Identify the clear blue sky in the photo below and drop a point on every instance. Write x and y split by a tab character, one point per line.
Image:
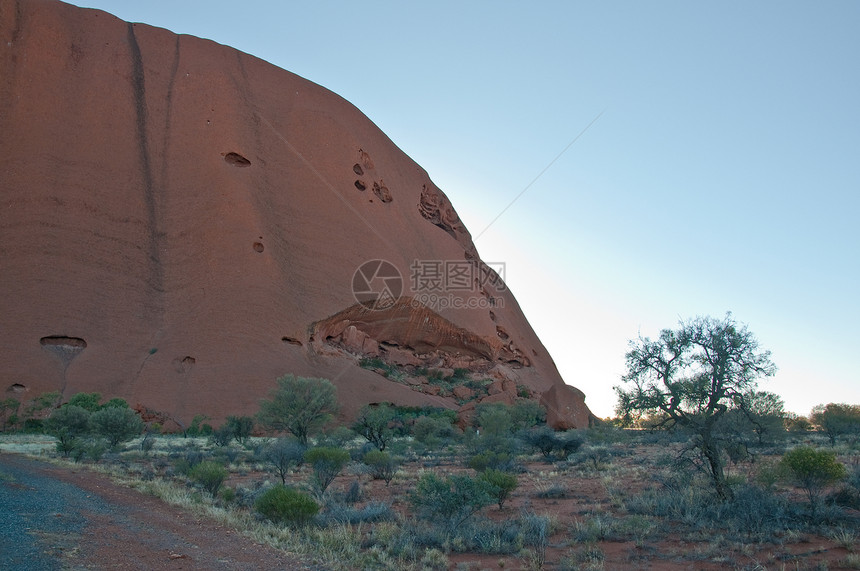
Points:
723	174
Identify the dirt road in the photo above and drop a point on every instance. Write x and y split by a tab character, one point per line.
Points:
56	518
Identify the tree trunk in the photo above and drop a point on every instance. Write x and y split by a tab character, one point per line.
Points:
713	455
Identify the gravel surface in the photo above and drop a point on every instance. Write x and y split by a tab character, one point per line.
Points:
59	518
42	517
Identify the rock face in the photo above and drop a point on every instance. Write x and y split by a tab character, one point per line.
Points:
182	223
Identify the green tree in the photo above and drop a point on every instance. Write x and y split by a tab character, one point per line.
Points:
8	408
240	427
836	420
299	405
327	463
116	424
282	454
691	377
502	484
40	403
88	401
812	471
222	436
116	402
67	424
374	424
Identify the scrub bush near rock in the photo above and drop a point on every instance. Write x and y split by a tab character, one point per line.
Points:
284	505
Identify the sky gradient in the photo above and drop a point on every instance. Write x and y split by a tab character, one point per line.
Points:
720	171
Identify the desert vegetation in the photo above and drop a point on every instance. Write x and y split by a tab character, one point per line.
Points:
699	469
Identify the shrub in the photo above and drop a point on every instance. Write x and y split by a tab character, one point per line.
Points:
8	408
450	501
286	506
552	444
67	424
432	431
240	428
223	435
190	459
282	454
502	484
837	420
491	460
210	475
299	405
116	424
382	465
195	428
87	401
327	464
812	471
374	424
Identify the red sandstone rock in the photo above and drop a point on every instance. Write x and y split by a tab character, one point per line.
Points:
565	408
181	224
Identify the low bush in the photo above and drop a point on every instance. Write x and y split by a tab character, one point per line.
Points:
450	501
240	428
812	471
284	505
552	444
222	436
209	475
282	454
382	465
327	463
489	459
502	484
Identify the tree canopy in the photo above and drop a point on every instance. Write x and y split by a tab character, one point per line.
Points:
299	405
691	377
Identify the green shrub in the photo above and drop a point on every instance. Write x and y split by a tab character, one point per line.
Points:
837	419
552	444
8	408
195	428
209	475
299	405
327	463
116	424
812	471
489	459
282	454
374	424
240	428
450	501
87	401
502	482
284	505
382	465
228	494
223	435
432	431
67	424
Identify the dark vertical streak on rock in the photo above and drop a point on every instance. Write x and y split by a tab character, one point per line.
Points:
139	89
168	116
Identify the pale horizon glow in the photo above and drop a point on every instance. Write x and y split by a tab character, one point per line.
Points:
723	174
